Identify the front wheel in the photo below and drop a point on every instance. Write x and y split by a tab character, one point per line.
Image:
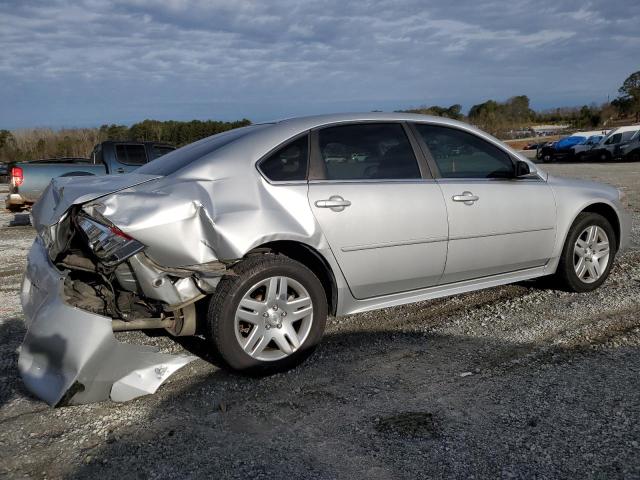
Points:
267	315
588	253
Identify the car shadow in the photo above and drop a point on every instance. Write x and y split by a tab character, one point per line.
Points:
12	332
378	404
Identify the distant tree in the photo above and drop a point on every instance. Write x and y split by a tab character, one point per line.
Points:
518	111
114	132
489	116
7	146
454	111
589	117
629	95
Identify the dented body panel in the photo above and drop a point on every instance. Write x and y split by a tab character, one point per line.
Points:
70	356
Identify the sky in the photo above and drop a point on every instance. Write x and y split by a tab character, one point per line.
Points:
86	63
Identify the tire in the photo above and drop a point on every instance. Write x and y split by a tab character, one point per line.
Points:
244	345
567	274
633	156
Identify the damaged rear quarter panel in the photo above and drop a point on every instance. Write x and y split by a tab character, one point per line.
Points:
188	219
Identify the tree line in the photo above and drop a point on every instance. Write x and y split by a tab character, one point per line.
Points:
37	143
503	118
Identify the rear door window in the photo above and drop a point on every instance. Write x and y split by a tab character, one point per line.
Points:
288	163
367	152
460	154
131	154
182	157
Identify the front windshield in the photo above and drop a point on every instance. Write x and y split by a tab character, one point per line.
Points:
174	161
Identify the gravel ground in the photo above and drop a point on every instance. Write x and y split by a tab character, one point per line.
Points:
511	382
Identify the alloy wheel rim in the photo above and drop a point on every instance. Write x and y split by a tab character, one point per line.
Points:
273	318
591	254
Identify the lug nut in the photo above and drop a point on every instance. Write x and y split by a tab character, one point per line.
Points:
265	314
284	314
279	325
275	307
267	327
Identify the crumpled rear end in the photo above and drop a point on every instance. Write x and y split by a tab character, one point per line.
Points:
70	356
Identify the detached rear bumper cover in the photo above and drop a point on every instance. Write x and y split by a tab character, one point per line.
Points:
70	356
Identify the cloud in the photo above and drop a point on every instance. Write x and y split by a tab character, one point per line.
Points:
66	61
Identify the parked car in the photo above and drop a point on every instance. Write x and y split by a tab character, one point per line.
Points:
545	151
29	179
630	150
581	150
608	148
572	147
255	235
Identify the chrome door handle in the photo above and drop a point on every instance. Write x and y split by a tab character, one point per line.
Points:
334	202
467	197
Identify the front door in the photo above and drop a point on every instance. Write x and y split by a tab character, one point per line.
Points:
386	225
497	223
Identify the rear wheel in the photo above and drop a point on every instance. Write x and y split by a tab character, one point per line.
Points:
267	315
588	253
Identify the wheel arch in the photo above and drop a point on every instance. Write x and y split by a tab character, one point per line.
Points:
309	257
608	212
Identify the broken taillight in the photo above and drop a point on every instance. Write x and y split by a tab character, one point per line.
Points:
17	176
116	231
107	242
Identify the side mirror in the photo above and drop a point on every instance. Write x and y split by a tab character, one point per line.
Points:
524	170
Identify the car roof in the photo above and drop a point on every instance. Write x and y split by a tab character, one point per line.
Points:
629	128
313	121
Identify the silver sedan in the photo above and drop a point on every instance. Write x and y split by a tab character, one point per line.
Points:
254	236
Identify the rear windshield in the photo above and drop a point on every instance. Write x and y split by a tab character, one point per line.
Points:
174	161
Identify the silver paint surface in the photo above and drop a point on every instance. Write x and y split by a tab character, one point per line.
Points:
397	242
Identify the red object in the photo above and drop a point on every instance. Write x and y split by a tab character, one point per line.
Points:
17	177
116	231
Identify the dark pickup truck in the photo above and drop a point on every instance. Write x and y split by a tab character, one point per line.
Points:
27	180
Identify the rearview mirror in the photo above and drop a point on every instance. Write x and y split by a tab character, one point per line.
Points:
524	170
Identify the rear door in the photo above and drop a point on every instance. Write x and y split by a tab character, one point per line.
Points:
382	214
497	223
